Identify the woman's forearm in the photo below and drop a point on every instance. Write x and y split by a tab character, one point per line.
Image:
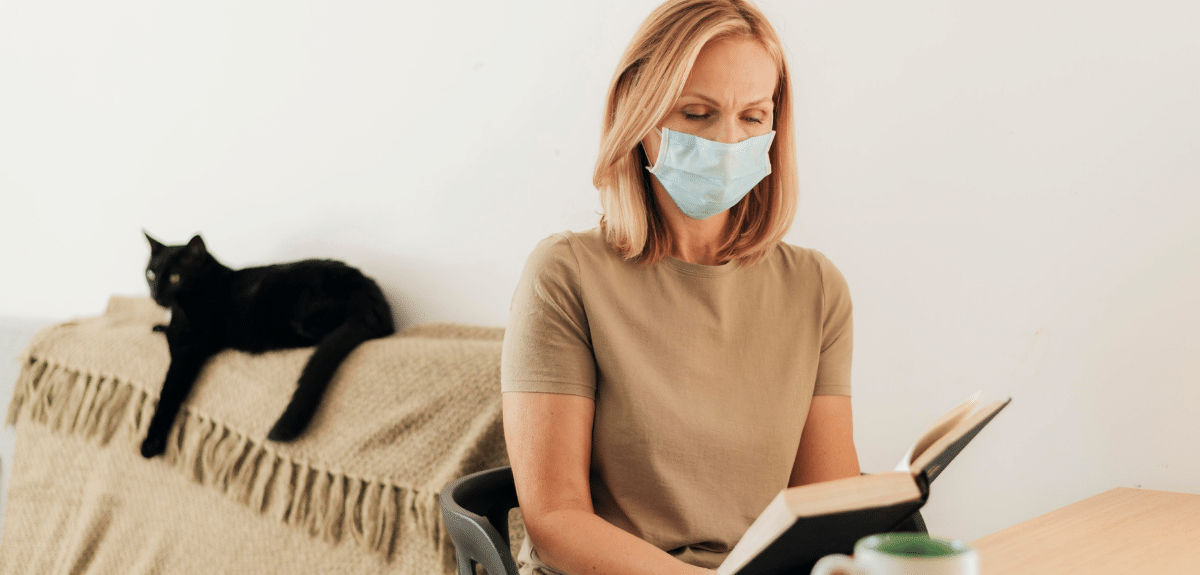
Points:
577	542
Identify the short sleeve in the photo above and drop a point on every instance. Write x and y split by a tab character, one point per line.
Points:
837	332
547	345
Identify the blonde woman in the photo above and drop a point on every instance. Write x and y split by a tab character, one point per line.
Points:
668	372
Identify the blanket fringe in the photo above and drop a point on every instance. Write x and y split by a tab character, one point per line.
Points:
324	503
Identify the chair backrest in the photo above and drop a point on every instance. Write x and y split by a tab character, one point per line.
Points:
476	509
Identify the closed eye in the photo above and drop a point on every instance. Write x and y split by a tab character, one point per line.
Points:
697	117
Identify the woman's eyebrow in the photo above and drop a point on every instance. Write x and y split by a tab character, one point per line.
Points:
713	102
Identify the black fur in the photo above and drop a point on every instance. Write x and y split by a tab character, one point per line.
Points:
311	302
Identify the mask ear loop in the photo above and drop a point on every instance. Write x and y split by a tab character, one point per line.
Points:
662	148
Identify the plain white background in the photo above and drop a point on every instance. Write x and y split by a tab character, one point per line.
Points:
1010	188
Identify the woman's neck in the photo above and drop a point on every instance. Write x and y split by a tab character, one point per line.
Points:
694	241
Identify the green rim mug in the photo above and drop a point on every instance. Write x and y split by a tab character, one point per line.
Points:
903	554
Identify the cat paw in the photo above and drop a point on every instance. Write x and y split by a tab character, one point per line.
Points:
153	446
285	430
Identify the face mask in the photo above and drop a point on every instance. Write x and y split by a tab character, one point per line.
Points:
705	177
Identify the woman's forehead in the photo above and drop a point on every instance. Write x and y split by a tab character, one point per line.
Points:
733	70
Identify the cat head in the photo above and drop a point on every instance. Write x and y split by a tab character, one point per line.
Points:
176	270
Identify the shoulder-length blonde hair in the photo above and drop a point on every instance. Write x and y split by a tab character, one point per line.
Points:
648	81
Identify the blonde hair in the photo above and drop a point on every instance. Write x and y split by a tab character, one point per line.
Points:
648	81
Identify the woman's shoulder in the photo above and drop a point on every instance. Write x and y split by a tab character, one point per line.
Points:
570	246
564	251
803	261
801	258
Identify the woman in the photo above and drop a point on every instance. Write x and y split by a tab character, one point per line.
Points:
666	374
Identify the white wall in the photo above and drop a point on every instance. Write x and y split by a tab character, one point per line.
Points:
1010	188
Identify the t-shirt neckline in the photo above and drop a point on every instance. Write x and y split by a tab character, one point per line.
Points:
701	269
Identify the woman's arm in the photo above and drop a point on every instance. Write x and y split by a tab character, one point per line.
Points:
549	439
827	443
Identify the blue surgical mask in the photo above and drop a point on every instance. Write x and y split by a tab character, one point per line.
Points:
705	177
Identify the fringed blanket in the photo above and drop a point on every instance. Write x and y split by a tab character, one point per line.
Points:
356	493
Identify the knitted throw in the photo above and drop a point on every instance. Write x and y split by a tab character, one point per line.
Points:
356	493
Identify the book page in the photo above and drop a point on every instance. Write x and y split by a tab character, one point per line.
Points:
771	523
971	425
851	493
939	428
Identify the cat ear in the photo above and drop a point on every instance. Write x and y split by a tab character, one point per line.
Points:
155	245
196	246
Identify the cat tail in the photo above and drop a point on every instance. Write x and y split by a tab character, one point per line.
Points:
317	374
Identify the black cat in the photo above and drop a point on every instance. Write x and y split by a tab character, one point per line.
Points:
311	302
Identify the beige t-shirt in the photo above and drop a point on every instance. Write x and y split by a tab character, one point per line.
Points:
702	378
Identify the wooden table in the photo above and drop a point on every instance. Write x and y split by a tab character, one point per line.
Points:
1119	531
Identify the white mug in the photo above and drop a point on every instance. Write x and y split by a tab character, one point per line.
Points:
902	554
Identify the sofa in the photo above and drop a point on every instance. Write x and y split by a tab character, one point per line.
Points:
356	493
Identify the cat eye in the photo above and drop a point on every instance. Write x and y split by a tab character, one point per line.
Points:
150	275
173	278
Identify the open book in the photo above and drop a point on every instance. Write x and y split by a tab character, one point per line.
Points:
803	524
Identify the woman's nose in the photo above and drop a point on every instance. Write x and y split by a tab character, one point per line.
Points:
729	132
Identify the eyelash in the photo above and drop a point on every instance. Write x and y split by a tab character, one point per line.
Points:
705	116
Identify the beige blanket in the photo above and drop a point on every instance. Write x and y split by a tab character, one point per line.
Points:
357	493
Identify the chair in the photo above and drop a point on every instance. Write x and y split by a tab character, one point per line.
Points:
476	509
